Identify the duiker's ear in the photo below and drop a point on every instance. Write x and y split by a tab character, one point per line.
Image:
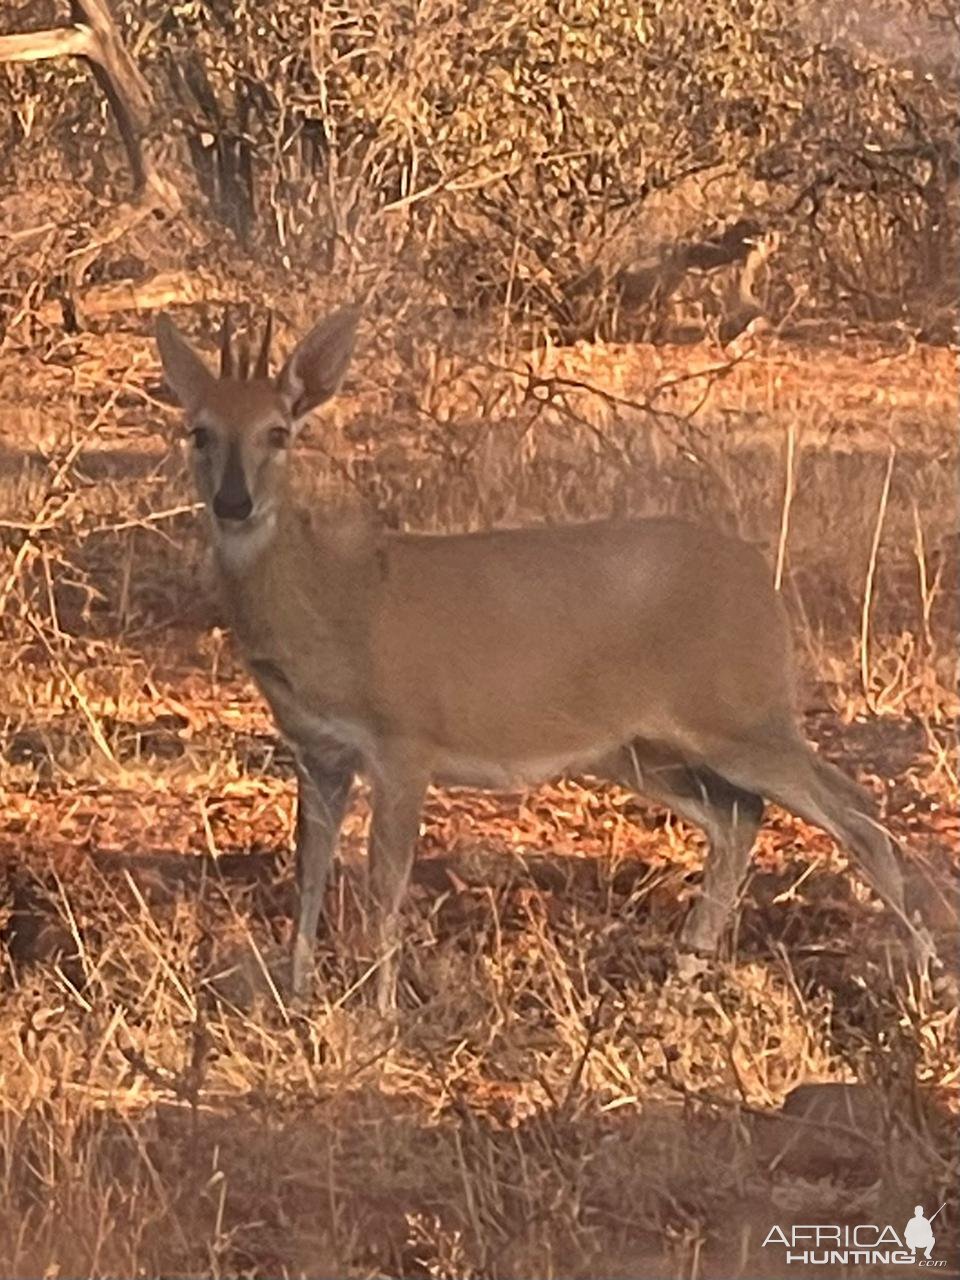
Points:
315	369
186	374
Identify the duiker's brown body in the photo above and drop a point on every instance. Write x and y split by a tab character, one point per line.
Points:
512	656
653	652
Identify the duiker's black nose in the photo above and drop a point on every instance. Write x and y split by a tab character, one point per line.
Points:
232	500
227	507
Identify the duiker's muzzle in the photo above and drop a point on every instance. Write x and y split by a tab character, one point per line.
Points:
232	500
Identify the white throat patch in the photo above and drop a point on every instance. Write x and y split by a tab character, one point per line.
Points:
238	547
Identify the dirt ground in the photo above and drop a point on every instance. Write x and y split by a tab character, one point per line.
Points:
551	1100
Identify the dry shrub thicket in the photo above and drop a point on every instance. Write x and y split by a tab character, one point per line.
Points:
548	211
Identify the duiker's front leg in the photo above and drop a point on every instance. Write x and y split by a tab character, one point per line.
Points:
397	804
323	792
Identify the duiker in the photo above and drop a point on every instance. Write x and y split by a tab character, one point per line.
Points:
652	652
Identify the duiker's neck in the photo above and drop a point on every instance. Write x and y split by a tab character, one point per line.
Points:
291	550
295	573
257	569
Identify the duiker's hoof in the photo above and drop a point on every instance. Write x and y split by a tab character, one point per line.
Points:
387	996
299	999
923	949
246	977
691	965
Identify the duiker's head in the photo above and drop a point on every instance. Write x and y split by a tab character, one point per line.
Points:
241	424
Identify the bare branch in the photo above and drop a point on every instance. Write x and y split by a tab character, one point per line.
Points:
37	46
94	37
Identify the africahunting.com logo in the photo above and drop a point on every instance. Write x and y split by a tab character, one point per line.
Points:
867	1243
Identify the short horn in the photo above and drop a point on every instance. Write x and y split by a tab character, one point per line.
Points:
226	347
243	359
262	367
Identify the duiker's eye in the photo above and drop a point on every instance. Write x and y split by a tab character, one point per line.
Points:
278	437
200	437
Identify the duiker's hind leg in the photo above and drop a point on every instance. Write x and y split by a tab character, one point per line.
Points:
785	769
729	817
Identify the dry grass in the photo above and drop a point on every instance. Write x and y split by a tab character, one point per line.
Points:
550	1101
